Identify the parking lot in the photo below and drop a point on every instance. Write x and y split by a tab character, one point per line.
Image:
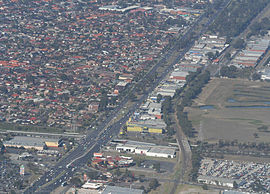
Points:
246	172
10	177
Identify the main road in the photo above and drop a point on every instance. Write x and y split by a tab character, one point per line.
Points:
67	166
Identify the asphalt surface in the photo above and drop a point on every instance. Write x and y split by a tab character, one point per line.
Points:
94	140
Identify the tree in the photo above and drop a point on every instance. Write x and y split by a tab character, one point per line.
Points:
210	55
153	184
256	76
255	135
239	44
228	71
142	188
227	56
128	173
205	187
166	109
76	181
196	162
30	78
117	172
159	98
141	178
12	192
170	131
92	174
157	167
103	102
63	77
4	89
132	97
235	185
257	186
263	128
235	18
138	162
18	184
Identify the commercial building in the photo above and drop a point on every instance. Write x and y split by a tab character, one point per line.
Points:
52	143
31	142
111	162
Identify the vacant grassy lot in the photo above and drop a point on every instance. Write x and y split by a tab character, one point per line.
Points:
192	189
232	109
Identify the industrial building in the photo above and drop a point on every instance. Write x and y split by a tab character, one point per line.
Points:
31	142
265	74
163	152
253	53
179	75
94	186
121	190
218	181
147	149
147	126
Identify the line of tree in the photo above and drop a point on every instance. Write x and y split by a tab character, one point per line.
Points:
166	108
194	83
259	28
234	72
196	162
236	17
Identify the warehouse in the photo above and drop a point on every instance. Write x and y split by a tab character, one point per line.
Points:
142	150
121	190
225	182
163	93
155	109
147	126
94	186
179	75
266	74
164	152
31	142
147	149
126	148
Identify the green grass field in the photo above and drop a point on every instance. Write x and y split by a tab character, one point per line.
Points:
239	107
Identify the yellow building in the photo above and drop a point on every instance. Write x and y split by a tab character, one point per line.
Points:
154	130
52	143
134	128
